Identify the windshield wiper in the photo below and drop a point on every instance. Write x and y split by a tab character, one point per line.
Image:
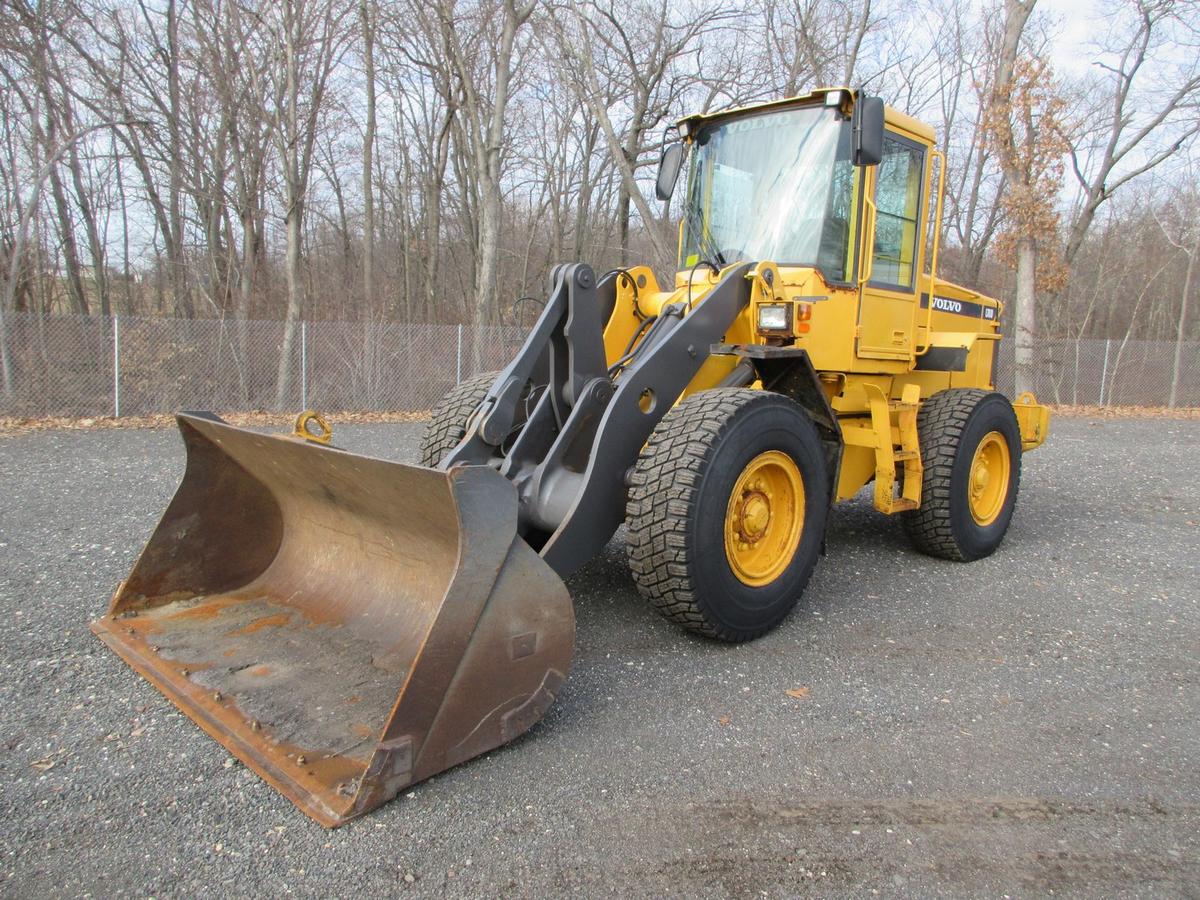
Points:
707	244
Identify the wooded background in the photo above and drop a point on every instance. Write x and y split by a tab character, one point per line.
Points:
429	160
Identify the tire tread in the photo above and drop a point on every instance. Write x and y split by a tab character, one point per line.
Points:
941	422
663	489
448	422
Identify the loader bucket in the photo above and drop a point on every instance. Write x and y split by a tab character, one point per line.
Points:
345	626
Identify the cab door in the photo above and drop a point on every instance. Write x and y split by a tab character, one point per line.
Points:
888	301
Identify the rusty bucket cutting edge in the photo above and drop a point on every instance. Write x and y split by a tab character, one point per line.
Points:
346	626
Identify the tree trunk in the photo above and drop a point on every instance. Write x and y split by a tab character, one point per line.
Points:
1024	313
318	34
623	222
88	215
487	267
1016	14
179	281
126	276
433	219
70	248
489	160
368	257
293	200
295	293
1184	301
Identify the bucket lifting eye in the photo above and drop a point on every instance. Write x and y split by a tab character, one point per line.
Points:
304	427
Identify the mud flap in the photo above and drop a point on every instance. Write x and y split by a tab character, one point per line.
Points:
344	625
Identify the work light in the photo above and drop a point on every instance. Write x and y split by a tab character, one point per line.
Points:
774	317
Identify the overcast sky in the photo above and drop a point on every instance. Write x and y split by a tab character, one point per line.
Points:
1078	24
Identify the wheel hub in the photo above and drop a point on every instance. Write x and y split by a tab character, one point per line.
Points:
754	517
987	485
981	478
764	518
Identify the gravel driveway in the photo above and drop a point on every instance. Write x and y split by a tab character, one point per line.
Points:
1024	724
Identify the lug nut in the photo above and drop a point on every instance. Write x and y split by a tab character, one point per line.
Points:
217	696
255	725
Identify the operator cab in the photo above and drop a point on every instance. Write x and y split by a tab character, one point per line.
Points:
807	183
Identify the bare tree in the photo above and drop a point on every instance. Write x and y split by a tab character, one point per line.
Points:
367	15
1184	235
423	86
1021	116
310	41
1142	115
17	248
815	43
597	50
483	63
432	159
234	49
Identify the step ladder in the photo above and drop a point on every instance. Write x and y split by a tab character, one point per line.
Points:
894	445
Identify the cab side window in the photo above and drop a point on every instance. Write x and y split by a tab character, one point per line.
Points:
898	204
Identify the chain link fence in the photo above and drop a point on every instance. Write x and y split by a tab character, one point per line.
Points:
98	366
1113	372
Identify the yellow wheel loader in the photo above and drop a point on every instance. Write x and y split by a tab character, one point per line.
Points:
348	626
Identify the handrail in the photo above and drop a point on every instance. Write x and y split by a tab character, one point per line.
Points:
938	155
868	242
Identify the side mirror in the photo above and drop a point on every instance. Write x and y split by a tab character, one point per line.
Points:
668	170
868	131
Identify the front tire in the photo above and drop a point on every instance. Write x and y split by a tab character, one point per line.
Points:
971	451
448	423
726	512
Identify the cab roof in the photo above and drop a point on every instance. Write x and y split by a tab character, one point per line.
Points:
892	116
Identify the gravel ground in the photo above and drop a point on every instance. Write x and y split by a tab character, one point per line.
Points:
1021	725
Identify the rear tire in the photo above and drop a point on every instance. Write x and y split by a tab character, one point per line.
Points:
726	512
971	451
448	424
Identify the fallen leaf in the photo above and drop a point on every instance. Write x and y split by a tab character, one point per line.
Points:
798	693
43	765
10	425
724	720
138	732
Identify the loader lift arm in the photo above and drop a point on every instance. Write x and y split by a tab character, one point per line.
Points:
568	456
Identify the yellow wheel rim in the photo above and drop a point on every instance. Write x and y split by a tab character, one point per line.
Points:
991	470
764	518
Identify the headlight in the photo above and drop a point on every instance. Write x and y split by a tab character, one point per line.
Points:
774	317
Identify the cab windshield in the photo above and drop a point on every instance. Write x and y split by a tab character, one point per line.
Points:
776	186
